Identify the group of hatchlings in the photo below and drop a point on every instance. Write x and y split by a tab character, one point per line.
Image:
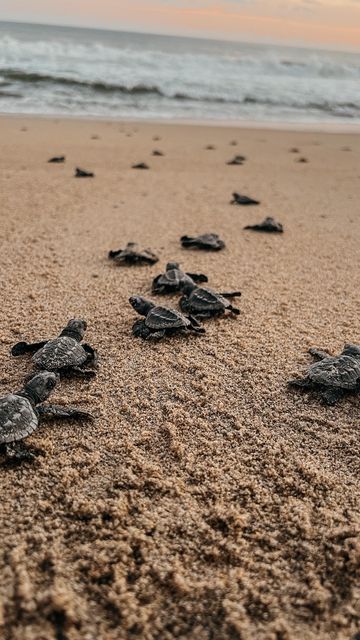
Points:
68	355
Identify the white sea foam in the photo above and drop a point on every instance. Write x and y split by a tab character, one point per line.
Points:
83	72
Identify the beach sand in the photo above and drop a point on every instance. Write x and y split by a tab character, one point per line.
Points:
206	500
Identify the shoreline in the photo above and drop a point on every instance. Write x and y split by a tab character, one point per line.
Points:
253	125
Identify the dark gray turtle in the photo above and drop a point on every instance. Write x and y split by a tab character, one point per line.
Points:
20	414
269	225
243	200
207	241
133	255
173	279
332	376
156	152
140	165
81	173
202	302
160	321
237	160
64	354
57	159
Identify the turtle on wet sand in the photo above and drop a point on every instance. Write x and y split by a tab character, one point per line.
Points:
243	200
207	241
237	160
140	165
332	376
269	225
173	279
133	255
202	302
20	414
160	321
57	159
65	354
81	173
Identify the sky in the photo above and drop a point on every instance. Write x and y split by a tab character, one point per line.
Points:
323	23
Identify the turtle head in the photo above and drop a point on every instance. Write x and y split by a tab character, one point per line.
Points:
75	328
172	265
187	286
39	387
352	350
141	305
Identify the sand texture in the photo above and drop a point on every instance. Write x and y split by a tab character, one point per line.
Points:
206	501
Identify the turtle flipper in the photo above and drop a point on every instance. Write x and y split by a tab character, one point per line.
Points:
156	335
92	358
57	411
197	277
331	396
319	354
27	347
140	329
17	452
234	310
304	383
232	294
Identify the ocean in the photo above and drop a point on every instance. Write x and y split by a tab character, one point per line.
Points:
88	72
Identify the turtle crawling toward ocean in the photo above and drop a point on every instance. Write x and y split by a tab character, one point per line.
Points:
202	302
174	278
243	200
65	354
81	173
133	255
269	225
332	376
160	321
207	241
20	414
237	160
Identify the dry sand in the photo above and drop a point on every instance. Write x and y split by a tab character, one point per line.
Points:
206	501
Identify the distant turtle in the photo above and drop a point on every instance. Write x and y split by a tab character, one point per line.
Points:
237	160
332	376
233	143
294	150
57	159
210	147
202	302
20	414
133	255
302	160
243	200
173	278
81	173
160	321
140	165
268	225
156	152
63	354
207	241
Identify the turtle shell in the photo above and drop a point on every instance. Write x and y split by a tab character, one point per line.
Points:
17	418
164	318
60	353
342	372
203	299
171	278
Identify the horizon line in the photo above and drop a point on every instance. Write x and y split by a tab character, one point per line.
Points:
270	42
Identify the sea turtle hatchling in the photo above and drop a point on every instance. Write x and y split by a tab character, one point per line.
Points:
269	225
202	302
65	354
173	279
160	321
20	414
332	376
207	241
243	200
133	255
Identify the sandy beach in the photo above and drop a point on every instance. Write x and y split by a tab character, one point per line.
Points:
206	501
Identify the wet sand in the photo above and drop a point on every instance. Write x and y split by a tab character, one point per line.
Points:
206	501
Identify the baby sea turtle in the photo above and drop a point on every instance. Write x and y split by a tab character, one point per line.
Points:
332	376
64	354
201	302
268	225
81	173
237	160
20	414
243	200
207	241
156	152
132	255
160	321
173	279
140	165
57	159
